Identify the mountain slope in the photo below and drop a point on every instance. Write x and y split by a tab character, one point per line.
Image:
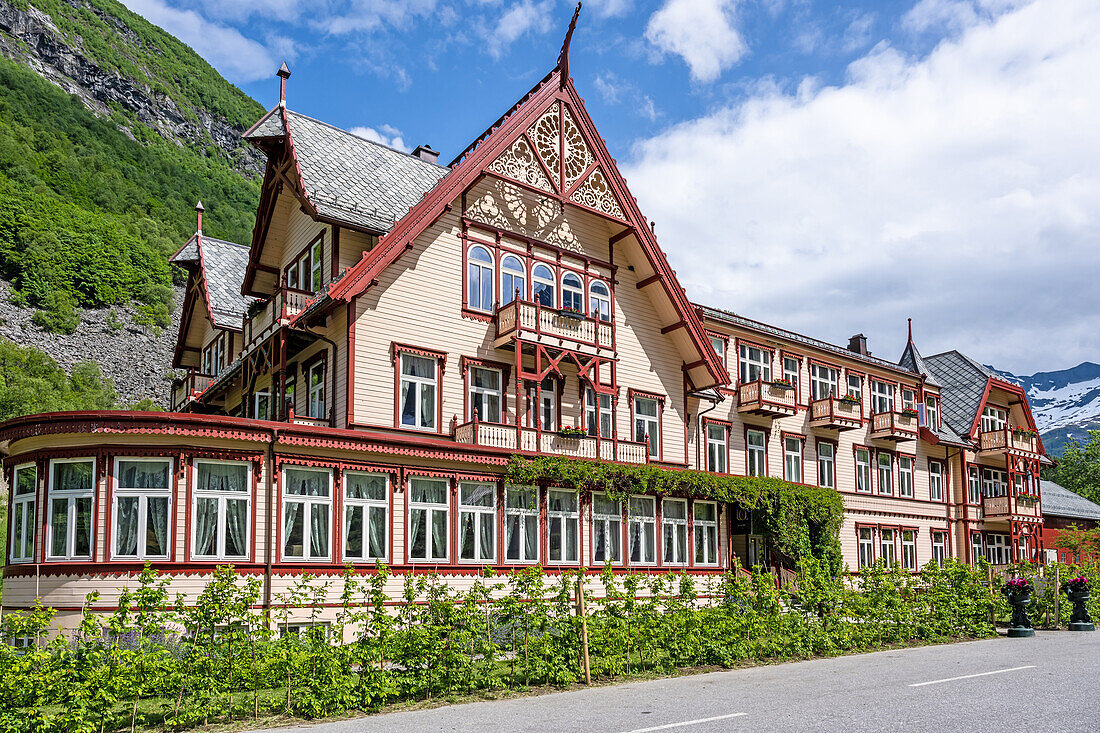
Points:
1066	403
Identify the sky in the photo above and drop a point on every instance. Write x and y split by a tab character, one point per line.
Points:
827	167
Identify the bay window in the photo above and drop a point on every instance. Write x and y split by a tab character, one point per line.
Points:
882	396
909	549
418	392
607	518
142	495
544	288
642	529
366	515
863	470
756	363
222	495
315	380
705	524
935	481
674	528
866	548
70	519
307	513
485	393
24	490
479	280
716	447
521	523
429	516
597	408
647	425
563	526
792	459
826	465
477	517
905	476
572	293
885	473
886	543
931	412
755	450
823	381
513	279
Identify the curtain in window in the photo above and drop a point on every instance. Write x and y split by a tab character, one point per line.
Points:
156	541
487	535
353	531
376	531
59	521
222	477
318	530
292	529
206	527
511	537
439	535
635	541
127	530
365	486
236	527
427	406
83	527
428	491
143	474
530	537
301	482
418	534
73	476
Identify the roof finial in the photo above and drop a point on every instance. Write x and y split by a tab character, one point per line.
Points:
563	57
283	73
910	330
198	211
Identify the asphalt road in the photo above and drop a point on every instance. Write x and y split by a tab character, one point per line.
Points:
1047	683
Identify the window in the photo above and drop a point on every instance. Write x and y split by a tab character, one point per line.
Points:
976	551
1017	484
479	279
428	518
485	393
572	293
823	381
521	523
288	394
935	481
291	275
214	355
477	515
863	470
754	443
994	418
885	473
418	392
646	424
316	265
997	549
792	459
826	465
905	476
866	548
705	522
513	279
72	485
22	513
716	448
563	526
939	547
598	417
994	482
222	495
606	529
908	399
544	286
974	485
886	544
909	549
931	412
855	386
307	507
599	301
142	498
547	406
366	516
641	531
756	363
790	370
261	405
316	381
674	528
882	396
719	345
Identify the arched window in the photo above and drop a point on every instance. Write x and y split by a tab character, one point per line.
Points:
599	301
544	286
479	279
572	293
513	278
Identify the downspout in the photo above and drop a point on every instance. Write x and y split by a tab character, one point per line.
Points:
951	497
272	518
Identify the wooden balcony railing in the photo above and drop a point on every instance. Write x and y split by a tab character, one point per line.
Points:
498	435
1008	440
1011	506
835	413
766	398
189	388
284	304
896	426
554	327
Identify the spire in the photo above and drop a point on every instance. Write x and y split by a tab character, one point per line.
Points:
563	57
198	212
283	73
910	330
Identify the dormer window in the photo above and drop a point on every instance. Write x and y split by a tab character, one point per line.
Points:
513	279
599	301
994	418
544	286
572	293
479	279
932	411
306	272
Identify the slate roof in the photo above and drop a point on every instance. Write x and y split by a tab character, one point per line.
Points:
962	384
912	360
1059	501
223	264
350	179
270	125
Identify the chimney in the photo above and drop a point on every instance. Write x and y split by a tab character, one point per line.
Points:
283	73
858	344
198	211
425	152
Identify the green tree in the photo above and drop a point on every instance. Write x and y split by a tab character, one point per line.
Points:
1079	467
31	382
58	313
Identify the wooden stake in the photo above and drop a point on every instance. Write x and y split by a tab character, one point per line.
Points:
1057	595
584	630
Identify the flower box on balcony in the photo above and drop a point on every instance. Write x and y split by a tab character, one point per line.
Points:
781	384
908	412
572	432
1024	433
850	399
571	313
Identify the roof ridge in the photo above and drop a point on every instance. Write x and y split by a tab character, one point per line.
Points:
366	140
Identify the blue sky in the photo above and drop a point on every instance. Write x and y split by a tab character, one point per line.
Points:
827	167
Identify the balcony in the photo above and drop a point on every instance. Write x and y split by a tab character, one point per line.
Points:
189	388
766	398
835	413
529	440
1012	507
1011	442
265	317
535	323
895	426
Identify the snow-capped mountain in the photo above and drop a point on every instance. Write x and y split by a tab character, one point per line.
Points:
1065	403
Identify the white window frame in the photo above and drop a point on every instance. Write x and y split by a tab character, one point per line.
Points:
70	526
367	505
994	482
887	545
882	396
939	547
756	455
547	410
479	514
648	426
855	386
557	522
430	509
486	273
863	471
792	370
143	496
222	497
755	363
572	289
909	549
935	480
884	473
826	465
256	401
594	418
994	419
678	528
520	514
792	459
510	277
708	530
610	525
719	346
648	555
315	401
717	447
316	265
23	507
485	392
306	509
977	547
998	548
547	281
932	412
418	383
908	399
905	476
866	543
824	381
973	485
599	302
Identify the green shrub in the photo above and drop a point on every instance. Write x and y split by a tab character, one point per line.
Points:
57	313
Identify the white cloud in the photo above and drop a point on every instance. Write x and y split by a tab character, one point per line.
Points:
931	15
858	33
387	135
961	188
226	49
702	32
611	8
282	10
614	89
520	19
359	16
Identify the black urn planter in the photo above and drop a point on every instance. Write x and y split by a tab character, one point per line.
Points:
1020	625
1079	619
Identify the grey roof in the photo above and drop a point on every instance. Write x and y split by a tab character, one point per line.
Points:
962	384
1061	502
350	179
720	314
188	253
912	360
947	434
270	125
223	264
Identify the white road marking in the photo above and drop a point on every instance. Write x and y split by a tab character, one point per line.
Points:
968	676
687	722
